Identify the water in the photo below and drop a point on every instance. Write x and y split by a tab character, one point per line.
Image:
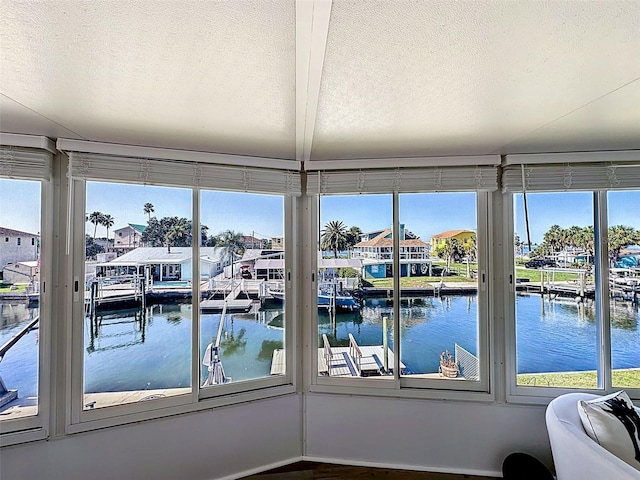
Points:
132	352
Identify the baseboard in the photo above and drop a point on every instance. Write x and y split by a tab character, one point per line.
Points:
261	469
397	466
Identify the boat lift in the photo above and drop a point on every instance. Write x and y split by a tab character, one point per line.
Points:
6	395
212	360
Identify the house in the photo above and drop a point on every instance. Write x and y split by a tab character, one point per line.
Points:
162	264
277	243
127	238
17	246
376	251
463	237
20	272
251	243
370	96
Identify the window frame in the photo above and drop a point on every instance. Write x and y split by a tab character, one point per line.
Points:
542	395
403	386
80	420
36	427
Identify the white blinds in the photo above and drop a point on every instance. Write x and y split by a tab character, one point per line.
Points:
22	163
565	172
481	178
97	166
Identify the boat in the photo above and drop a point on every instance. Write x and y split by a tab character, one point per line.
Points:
328	296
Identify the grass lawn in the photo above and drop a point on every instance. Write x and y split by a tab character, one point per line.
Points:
16	289
535	275
628	378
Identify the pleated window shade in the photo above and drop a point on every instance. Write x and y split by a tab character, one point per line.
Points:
183	173
404	180
25	163
571	172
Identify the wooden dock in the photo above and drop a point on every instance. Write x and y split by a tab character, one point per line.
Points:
352	361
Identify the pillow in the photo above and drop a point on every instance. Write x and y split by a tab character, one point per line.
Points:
613	422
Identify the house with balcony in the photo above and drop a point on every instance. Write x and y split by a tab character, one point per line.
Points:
17	246
463	237
375	249
128	238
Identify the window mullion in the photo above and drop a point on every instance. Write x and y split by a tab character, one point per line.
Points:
396	289
603	332
195	295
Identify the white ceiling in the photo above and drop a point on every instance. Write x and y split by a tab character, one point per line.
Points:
321	80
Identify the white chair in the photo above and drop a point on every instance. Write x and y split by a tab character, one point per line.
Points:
575	455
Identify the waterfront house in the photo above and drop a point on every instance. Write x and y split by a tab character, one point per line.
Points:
250	242
127	238
21	272
375	249
464	238
162	264
374	92
17	246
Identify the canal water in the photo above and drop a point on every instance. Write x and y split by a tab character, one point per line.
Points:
130	351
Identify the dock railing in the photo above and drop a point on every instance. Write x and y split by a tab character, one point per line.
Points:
328	353
355	353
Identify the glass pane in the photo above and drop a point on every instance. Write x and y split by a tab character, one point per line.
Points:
355	286
555	290
438	279
242	321
137	293
624	287
19	297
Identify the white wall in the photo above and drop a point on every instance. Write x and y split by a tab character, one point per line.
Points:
443	436
204	445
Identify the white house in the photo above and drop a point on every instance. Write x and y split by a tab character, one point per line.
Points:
17	246
164	264
127	238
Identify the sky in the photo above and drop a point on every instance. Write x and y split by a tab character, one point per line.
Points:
262	215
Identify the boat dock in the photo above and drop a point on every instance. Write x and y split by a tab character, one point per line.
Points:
352	361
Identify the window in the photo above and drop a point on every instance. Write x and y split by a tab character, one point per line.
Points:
19	241
624	287
242	314
355	287
574	278
137	326
25	174
413	293
186	317
439	314
556	330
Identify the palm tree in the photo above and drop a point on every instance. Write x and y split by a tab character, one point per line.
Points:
177	231
353	236
232	244
107	221
334	237
96	219
554	238
148	209
619	237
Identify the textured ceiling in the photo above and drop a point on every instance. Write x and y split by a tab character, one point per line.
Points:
322	80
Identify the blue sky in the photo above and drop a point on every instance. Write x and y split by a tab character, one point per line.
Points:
423	214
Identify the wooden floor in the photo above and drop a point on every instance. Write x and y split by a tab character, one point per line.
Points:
326	471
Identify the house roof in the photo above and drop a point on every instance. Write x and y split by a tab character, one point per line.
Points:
149	255
9	232
451	233
138	227
384	239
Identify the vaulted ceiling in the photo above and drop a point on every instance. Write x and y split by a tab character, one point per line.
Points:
315	80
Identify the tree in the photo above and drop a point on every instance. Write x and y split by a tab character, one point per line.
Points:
157	232
232	244
353	236
148	209
96	219
334	237
107	222
91	248
554	238
449	250
620	236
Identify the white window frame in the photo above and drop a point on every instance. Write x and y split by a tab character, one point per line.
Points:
370	180
36	427
570	176
78	419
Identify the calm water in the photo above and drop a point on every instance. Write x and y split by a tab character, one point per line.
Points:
129	351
